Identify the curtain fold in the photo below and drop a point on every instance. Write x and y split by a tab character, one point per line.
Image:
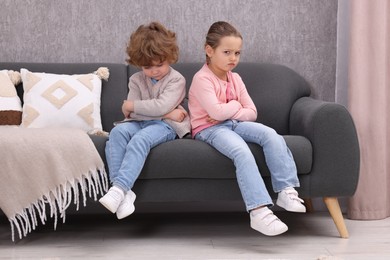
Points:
369	104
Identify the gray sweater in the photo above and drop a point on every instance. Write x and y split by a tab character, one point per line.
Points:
152	102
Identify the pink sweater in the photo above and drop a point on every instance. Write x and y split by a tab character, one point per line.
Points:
207	98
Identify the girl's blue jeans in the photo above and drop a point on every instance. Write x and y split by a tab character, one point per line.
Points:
128	147
230	137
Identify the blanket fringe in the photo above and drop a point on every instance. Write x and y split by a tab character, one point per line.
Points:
92	184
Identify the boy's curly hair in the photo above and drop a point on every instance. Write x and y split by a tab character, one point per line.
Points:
150	43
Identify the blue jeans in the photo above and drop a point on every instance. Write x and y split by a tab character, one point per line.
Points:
128	147
230	137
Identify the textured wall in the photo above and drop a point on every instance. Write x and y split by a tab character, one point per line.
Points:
300	34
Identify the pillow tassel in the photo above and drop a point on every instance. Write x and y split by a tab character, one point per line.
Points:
14	77
103	73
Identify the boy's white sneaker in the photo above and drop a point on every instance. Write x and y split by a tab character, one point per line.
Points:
289	200
267	223
112	199
126	208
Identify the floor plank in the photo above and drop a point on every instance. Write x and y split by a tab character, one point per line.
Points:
201	235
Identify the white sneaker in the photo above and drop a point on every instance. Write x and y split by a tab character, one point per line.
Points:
126	208
267	223
289	200
112	199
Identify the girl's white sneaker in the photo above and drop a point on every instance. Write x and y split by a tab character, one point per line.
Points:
267	223
289	200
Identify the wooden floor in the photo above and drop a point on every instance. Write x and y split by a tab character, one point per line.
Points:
198	235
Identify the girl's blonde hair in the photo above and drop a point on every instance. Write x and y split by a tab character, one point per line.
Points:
217	31
150	43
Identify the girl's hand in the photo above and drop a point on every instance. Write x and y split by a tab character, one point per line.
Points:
177	115
127	108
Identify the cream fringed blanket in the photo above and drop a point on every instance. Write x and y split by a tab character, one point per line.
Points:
44	170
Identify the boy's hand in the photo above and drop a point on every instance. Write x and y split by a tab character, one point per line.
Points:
127	108
177	115
212	120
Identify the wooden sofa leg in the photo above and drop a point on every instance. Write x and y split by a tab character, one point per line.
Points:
309	205
334	209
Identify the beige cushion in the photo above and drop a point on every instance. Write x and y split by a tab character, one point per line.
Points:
10	104
59	100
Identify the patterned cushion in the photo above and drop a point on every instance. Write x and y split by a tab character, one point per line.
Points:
59	100
10	104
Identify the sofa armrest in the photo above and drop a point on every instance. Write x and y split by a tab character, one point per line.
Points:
336	157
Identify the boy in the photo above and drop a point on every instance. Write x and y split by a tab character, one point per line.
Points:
152	111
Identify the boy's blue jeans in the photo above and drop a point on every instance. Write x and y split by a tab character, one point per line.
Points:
128	146
230	137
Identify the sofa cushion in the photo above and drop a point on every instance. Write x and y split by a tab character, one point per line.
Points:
10	104
61	100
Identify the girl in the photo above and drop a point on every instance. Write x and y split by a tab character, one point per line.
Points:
223	115
152	111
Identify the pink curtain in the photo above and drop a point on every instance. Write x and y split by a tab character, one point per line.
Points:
369	103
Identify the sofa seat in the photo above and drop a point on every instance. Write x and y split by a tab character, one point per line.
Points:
184	162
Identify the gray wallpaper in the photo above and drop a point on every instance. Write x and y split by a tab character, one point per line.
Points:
298	33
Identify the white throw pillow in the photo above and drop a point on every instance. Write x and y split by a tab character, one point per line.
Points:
60	100
10	104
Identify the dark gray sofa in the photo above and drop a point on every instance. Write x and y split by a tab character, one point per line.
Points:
321	136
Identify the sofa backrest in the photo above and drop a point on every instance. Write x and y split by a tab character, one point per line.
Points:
273	88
